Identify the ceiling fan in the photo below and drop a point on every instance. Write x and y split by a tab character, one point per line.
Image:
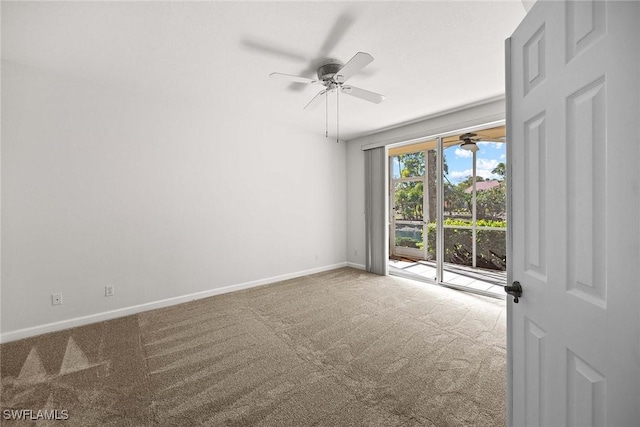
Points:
332	74
340	28
469	142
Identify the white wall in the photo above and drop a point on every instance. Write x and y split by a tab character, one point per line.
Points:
447	121
160	197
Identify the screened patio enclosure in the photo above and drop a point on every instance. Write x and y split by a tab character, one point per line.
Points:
447	200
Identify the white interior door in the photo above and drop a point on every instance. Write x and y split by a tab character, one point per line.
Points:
573	129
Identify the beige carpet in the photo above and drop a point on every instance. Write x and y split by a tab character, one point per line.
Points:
338	348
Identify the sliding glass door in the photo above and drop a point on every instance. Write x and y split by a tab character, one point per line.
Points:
467	204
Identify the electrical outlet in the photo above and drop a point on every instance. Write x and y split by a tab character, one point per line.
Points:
56	299
109	291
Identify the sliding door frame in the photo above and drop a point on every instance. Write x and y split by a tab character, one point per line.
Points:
439	211
439	137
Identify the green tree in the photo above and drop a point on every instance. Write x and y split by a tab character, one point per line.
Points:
408	203
408	195
491	203
501	170
411	164
456	199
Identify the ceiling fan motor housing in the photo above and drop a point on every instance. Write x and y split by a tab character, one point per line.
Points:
467	137
327	70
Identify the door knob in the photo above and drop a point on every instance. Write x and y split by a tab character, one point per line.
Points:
515	289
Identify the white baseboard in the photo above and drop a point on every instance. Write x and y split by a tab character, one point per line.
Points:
127	311
358	266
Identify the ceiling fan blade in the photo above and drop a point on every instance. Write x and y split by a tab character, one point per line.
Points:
363	94
355	64
340	27
315	100
290	78
335	35
273	50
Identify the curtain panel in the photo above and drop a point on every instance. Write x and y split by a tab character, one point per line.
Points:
376	223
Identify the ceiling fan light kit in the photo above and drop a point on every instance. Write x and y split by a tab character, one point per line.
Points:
332	74
469	145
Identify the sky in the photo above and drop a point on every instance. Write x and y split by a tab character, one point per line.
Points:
460	164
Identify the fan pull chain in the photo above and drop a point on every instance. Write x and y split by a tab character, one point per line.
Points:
337	114
326	103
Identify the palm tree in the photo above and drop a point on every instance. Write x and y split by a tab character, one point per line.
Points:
501	169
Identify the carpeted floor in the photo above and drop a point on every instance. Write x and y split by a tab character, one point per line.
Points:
338	348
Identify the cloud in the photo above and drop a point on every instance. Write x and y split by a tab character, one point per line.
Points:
483	169
460	175
493	144
463	154
503	156
489	164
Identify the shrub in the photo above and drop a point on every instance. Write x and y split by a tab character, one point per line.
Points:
408	242
491	245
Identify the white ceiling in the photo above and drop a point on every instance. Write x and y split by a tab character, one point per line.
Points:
429	56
